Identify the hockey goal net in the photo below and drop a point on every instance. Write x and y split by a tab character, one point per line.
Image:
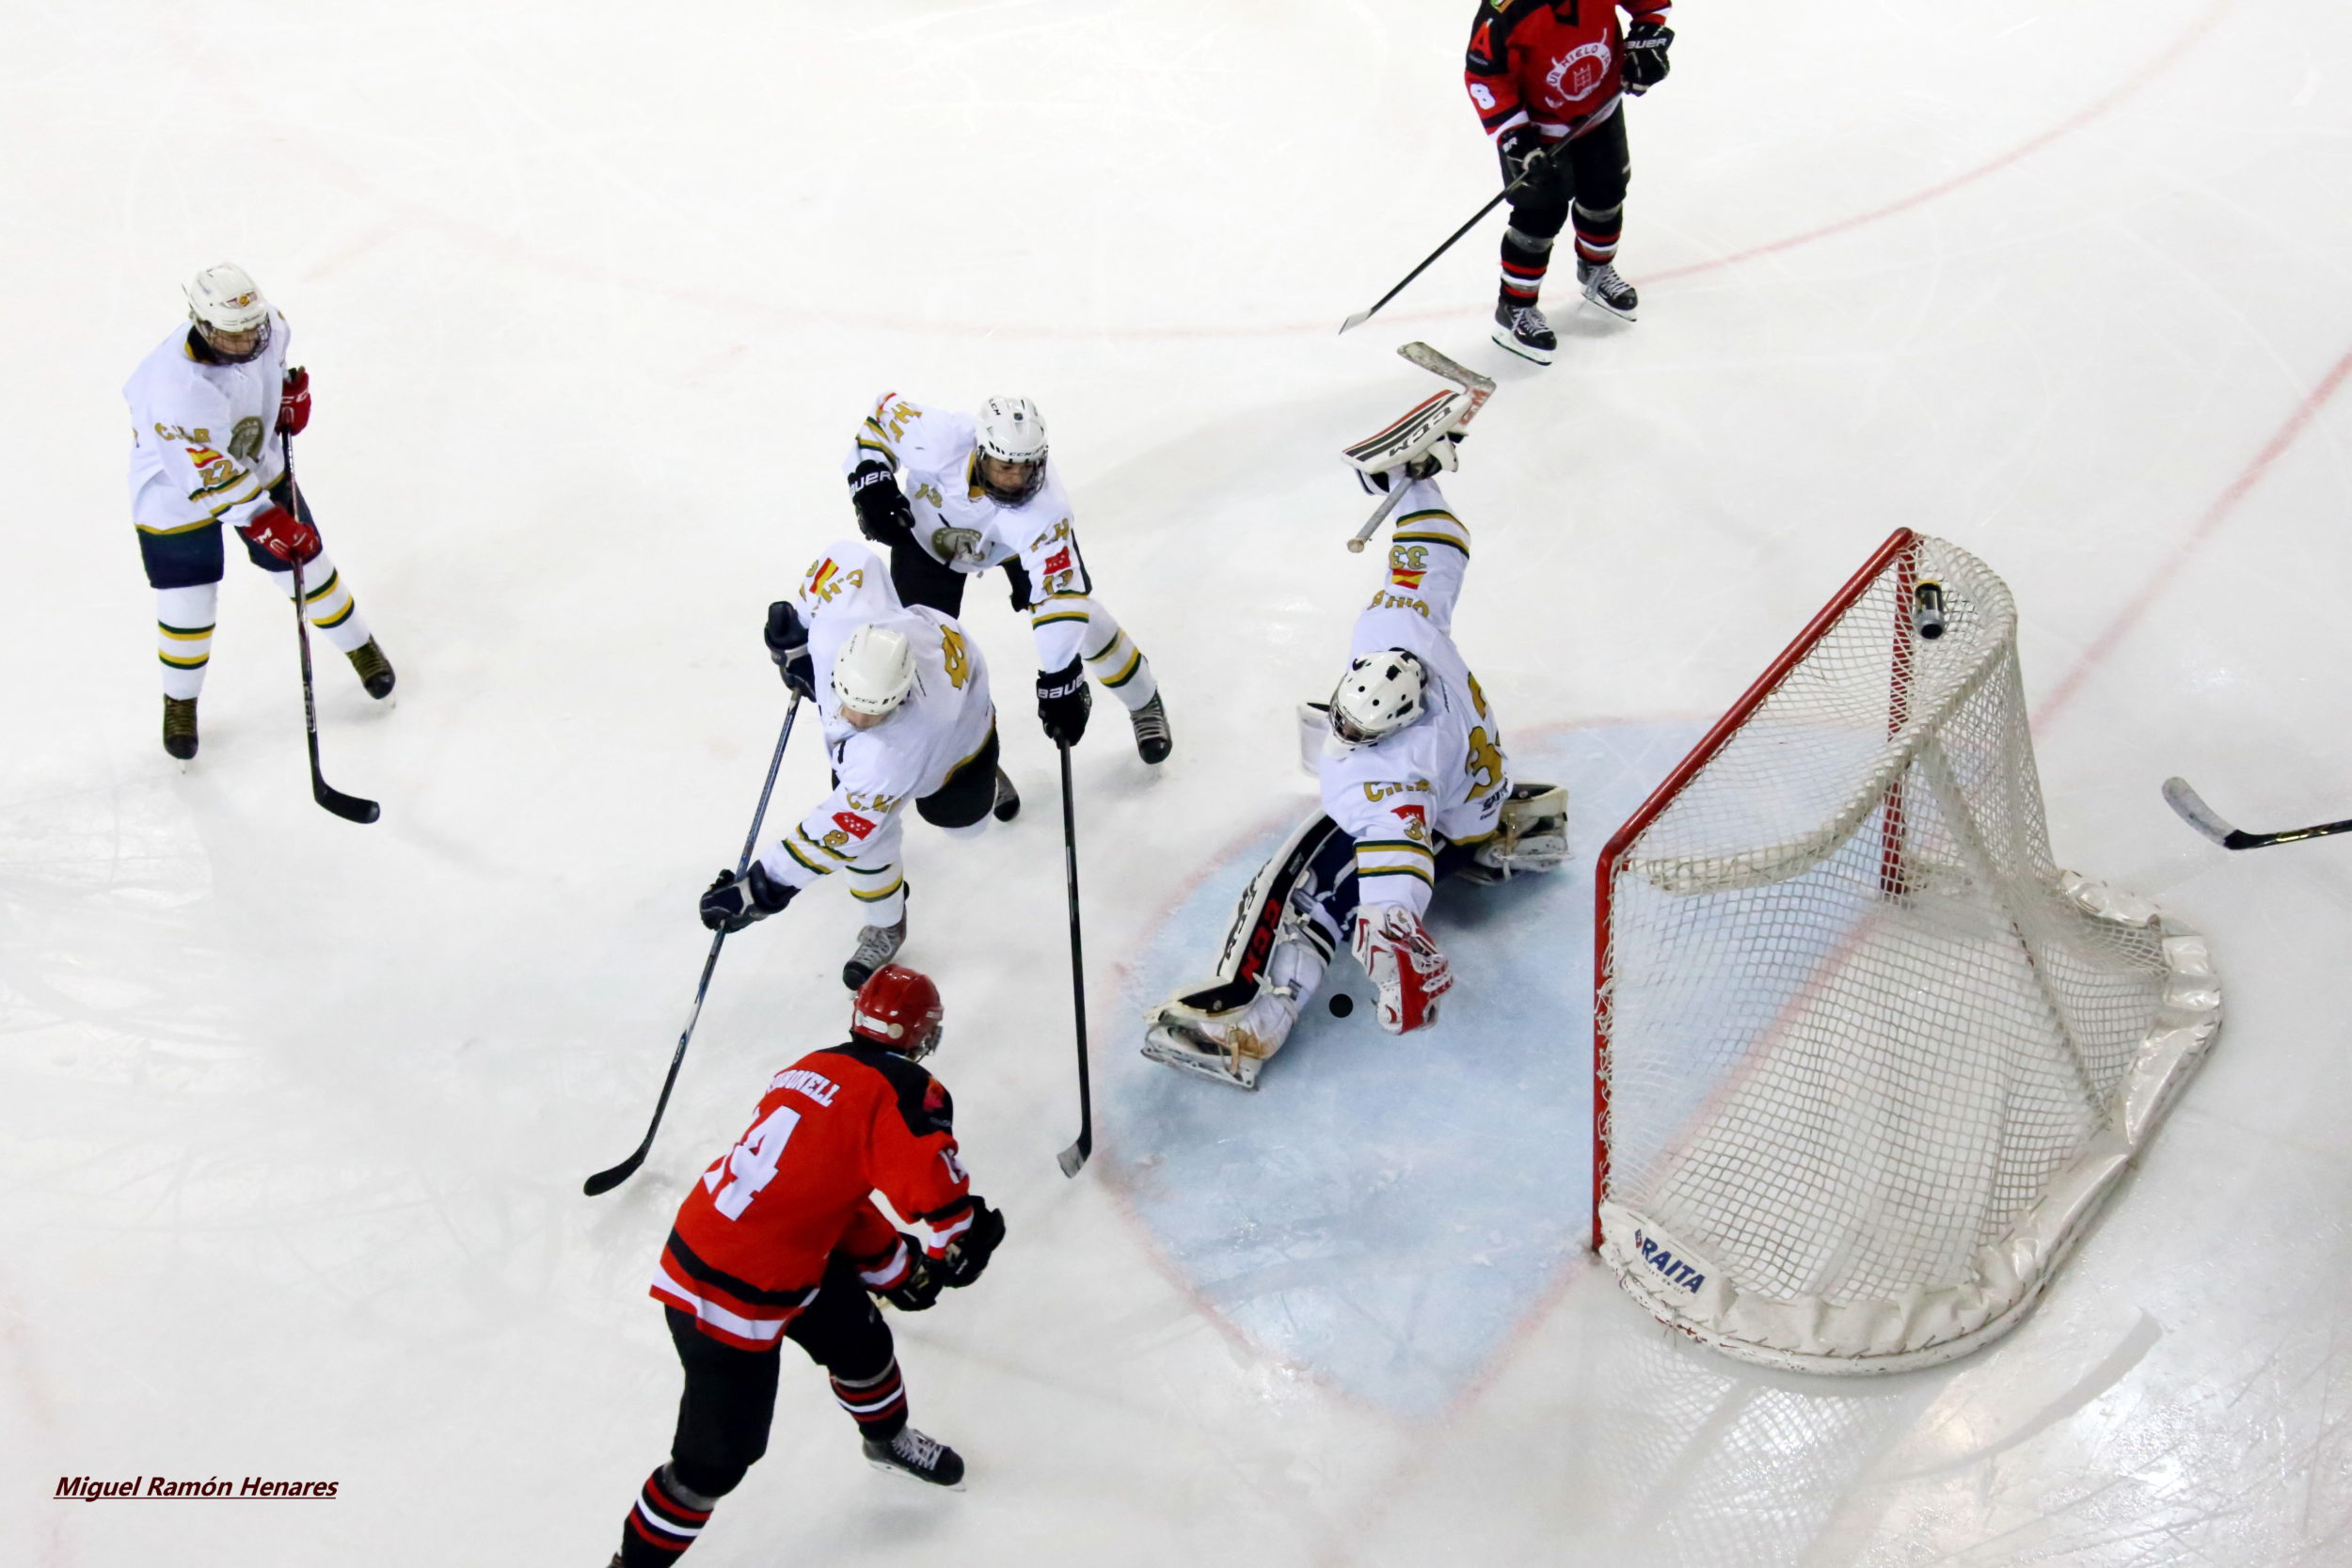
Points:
1865	1059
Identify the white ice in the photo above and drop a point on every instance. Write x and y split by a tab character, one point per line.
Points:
293	1114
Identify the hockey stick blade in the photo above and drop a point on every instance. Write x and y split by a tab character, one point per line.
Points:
1074	1159
349	807
605	1180
2193	811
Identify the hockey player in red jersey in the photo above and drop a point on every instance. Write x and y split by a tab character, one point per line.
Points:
1547	77
781	1240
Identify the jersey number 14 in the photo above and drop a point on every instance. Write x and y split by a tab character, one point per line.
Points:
752	1163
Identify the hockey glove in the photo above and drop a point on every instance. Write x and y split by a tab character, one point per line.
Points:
1524	155
1645	45
787	645
283	534
967	1254
1063	702
920	1288
294	401
732	903
882	513
1398	957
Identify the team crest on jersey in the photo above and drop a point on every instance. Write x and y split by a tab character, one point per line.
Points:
1576	74
245	440
853	824
826	581
1416	820
1058	561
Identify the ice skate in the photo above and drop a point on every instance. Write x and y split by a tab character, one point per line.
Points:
924	1457
180	727
1604	288
1232	1044
1532	836
1008	804
375	670
875	947
1152	740
1521	329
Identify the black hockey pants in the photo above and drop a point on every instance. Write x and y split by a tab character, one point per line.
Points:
730	1395
968	793
1588	176
919	580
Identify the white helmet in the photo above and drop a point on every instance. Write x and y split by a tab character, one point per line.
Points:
1010	430
225	299
874	669
1379	695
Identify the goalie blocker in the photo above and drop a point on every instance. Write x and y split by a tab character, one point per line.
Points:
1289	921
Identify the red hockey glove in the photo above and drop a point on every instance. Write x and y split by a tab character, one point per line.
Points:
283	534
293	402
1398	957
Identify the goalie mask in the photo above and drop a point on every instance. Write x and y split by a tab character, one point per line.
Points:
229	311
1379	695
1008	435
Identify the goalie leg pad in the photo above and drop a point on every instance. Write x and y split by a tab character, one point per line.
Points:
1531	837
1401	960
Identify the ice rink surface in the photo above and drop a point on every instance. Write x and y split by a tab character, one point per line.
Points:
293	1114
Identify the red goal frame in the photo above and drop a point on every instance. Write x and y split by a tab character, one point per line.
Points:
1900	551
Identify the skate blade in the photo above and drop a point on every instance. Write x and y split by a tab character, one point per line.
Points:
1534	355
1612	312
1179	1054
928	1484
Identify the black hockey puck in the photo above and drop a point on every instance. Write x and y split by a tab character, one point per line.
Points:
1341	1003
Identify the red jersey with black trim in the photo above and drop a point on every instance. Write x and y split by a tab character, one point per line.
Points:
751	1242
1553	63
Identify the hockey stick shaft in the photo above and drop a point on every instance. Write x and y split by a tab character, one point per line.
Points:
2193	811
1076	1155
351	808
1372	524
1500	198
605	1180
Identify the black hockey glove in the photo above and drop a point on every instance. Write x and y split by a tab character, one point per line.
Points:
1063	702
968	1254
1523	150
732	903
1645	46
787	645
920	1288
1018	576
882	513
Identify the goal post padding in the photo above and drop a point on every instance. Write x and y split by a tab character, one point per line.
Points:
1865	1059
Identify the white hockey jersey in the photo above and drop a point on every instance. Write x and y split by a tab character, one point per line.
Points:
943	722
204	443
932	448
1442	779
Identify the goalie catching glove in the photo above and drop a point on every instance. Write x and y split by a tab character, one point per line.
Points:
1399	958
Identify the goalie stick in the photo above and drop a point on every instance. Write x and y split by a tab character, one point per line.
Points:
1414	436
2203	818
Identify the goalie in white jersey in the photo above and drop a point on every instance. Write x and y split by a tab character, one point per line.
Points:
981	494
1415	789
210	410
903	691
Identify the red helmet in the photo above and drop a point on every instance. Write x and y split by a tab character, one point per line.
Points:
899	1008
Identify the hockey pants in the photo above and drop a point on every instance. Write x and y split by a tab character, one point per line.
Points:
185	568
730	1401
1588	177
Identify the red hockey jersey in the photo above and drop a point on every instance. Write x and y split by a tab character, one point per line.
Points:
1553	62
751	1242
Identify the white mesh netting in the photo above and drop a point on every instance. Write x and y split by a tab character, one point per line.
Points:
1869	1057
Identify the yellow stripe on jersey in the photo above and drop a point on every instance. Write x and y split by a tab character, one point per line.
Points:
1366	873
197	664
1424	537
338	618
1063	615
818	844
183	634
313	596
896	883
812	870
1126	673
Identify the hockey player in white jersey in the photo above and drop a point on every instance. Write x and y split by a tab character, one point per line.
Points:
903	692
1415	789
982	493
211	409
